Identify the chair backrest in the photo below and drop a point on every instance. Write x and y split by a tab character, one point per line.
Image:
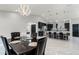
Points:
34	37
41	46
5	43
15	34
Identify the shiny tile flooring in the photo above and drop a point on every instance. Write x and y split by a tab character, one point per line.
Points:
62	47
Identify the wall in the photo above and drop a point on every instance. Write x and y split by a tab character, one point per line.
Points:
10	22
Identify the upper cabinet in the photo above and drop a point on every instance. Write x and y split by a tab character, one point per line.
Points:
49	27
41	25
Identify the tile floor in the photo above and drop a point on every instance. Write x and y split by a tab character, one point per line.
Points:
62	47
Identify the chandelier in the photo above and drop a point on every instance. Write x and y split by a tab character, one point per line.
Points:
24	10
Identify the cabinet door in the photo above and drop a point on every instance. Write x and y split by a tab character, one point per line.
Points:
75	30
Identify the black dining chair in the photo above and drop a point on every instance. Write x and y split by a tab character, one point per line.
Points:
15	36
41	45
34	37
8	51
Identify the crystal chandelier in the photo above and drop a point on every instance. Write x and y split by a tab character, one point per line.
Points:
24	10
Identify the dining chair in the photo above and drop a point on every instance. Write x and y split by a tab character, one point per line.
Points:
15	36
41	45
8	51
34	37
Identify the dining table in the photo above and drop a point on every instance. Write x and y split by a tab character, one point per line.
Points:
21	47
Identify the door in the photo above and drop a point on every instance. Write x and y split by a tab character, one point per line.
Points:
33	29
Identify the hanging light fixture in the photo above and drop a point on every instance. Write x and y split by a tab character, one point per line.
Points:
24	10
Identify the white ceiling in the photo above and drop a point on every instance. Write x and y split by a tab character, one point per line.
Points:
49	11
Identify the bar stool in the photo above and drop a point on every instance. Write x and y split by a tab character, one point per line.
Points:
50	35
55	35
65	36
61	35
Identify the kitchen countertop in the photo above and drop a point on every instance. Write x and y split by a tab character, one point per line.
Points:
59	31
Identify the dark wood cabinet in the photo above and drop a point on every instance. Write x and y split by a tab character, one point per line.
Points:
49	27
75	30
40	33
41	24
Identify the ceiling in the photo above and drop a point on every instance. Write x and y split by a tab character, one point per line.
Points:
48	11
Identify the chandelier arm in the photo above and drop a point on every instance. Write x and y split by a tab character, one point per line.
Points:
24	10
